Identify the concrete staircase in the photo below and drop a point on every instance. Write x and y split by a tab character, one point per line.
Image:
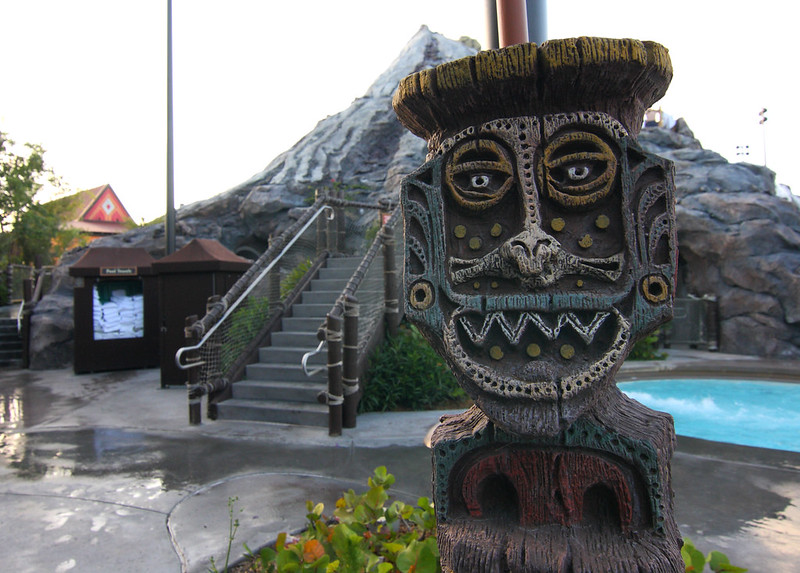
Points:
10	343
275	389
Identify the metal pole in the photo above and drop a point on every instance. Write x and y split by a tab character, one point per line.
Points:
512	22
537	21
491	25
170	220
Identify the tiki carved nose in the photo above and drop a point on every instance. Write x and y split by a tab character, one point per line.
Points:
532	252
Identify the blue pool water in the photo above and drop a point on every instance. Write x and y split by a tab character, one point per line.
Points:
749	413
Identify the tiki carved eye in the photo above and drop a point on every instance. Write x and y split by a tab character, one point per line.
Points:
478	174
578	169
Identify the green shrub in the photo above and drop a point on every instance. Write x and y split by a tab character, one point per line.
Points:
406	374
243	325
295	276
366	534
648	348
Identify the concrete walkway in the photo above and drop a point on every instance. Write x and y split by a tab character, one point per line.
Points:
103	473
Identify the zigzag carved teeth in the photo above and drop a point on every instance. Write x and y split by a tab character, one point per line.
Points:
514	330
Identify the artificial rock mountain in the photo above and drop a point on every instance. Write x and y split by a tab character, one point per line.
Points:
738	240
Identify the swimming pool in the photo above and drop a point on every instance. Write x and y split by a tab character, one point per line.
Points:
746	412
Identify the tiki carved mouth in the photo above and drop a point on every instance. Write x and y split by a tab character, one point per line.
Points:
535	354
516	329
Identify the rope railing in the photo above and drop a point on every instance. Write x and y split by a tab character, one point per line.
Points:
369	298
221	344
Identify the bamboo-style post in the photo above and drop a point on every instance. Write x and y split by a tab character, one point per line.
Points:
335	400
322	227
391	287
339	220
350	362
193	372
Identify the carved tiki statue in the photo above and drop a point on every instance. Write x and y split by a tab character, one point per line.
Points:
539	247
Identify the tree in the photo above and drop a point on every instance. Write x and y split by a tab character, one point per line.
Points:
29	230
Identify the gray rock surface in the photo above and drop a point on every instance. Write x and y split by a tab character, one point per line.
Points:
738	240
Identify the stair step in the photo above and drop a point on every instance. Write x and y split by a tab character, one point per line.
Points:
10	343
305	339
320	297
277	412
289	355
316	311
338	284
337	273
343	262
302	324
283	372
279	391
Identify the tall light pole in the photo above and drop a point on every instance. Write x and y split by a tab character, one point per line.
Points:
170	219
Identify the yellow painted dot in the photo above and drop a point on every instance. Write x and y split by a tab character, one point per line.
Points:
495	284
475	243
496	230
585	241
579	283
602	222
460	231
558	224
533	350
476	285
496	352
567	351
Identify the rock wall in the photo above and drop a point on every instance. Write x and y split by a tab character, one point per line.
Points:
737	240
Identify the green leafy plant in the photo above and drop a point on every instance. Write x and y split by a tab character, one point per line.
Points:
233	527
695	561
367	533
244	324
372	231
295	276
406	374
648	348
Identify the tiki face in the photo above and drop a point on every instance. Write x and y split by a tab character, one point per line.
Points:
538	250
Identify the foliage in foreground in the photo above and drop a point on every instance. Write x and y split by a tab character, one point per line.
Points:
406	374
366	534
695	561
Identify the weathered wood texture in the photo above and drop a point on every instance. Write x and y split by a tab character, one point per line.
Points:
540	246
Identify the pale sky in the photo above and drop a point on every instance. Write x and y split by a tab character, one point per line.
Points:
86	79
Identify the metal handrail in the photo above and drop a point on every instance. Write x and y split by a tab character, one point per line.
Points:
308	355
296	235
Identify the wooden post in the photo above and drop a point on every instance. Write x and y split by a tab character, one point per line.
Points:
541	245
25	322
322	225
390	283
193	374
335	399
341	231
350	362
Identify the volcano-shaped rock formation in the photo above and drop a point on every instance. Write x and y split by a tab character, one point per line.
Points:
737	239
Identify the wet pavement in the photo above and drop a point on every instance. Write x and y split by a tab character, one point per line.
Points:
103	473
